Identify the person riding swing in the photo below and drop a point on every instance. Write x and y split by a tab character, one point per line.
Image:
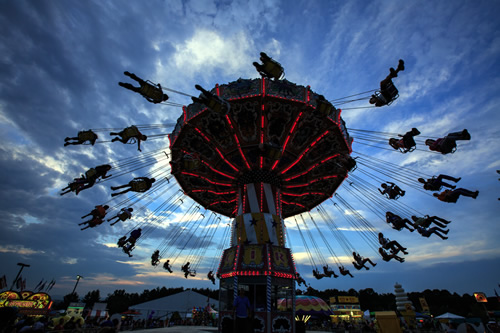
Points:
329	272
269	68
81	138
318	275
138	184
391	190
123	214
155	258
407	143
150	91
211	101
359	262
211	276
167	267
388	92
130	134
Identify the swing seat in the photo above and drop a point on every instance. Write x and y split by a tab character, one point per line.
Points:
270	68
90	173
190	163
218	105
401	146
388	94
139	186
272	152
130	132
325	108
86	136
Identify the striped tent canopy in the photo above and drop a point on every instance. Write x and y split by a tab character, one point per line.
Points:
306	305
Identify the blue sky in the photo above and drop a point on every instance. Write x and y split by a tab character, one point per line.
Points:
61	61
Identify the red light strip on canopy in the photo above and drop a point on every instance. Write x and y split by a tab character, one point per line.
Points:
312	167
269	261
303	194
236	257
262	134
204	178
217	150
261	197
288	99
214	192
292	203
244	199
288	138
311	182
210	167
237	142
305	152
217	171
257	273
221	201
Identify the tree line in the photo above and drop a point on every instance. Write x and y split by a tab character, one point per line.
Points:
439	301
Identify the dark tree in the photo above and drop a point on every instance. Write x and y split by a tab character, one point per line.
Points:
69	298
91	298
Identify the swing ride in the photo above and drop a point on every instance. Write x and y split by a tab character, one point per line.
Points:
256	152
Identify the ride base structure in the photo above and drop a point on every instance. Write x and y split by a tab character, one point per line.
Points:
263	150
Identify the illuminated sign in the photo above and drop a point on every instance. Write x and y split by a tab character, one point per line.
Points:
423	304
480	297
25	301
344	299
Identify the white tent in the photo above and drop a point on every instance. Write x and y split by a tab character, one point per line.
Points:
449	315
182	302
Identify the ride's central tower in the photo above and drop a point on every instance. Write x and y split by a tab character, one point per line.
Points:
260	151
